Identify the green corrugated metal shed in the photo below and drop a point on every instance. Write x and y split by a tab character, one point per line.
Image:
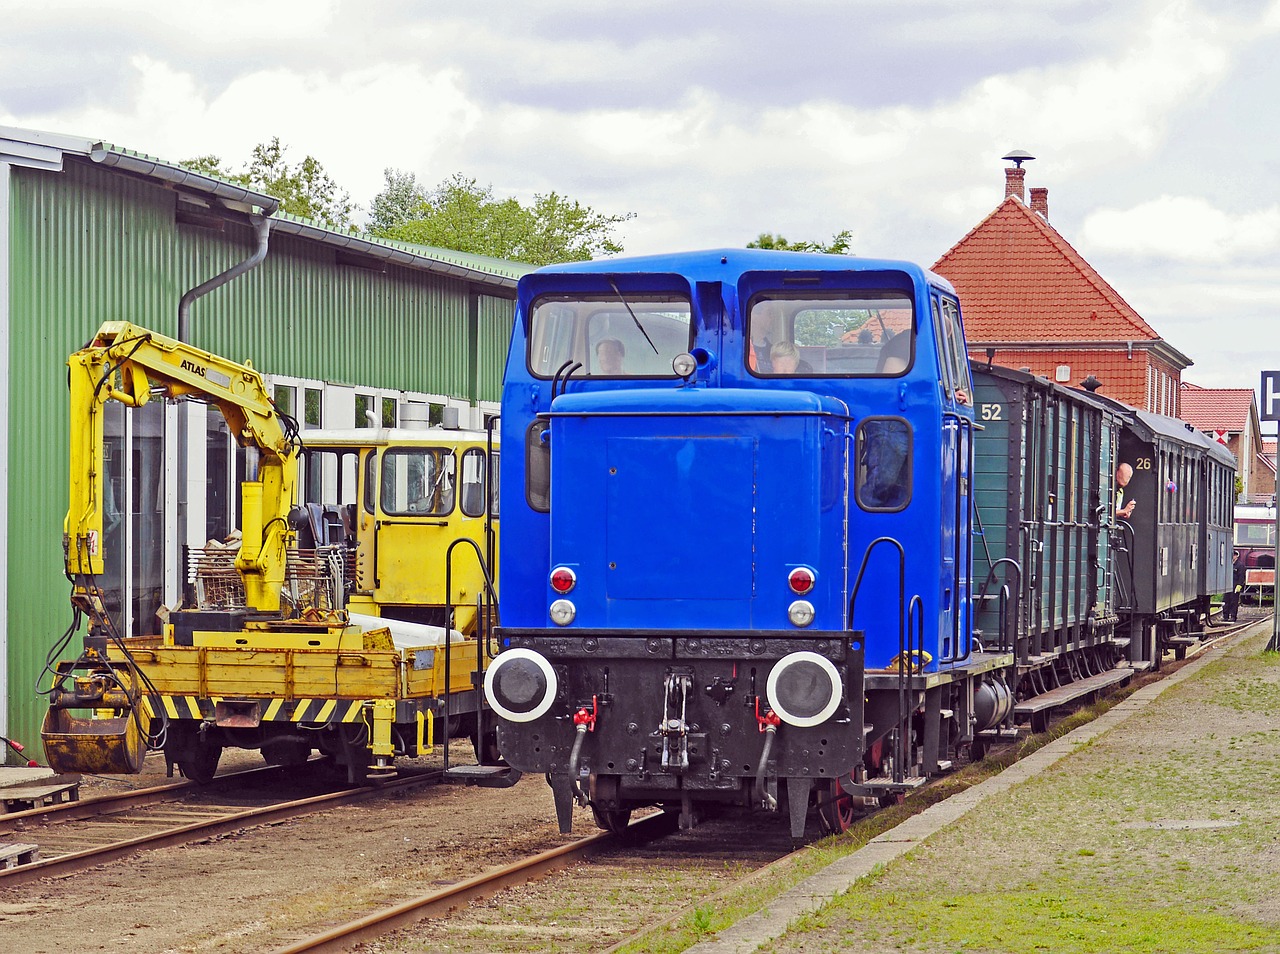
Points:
90	232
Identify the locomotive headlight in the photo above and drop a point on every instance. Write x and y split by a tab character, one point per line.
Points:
803	688
563	612
800	613
520	685
684	364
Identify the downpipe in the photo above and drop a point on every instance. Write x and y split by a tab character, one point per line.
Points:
262	228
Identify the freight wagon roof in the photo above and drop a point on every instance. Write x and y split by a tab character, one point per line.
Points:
728	264
33	149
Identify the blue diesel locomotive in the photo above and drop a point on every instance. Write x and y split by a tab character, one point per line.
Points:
739	483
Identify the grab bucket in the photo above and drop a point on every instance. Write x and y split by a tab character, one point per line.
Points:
110	746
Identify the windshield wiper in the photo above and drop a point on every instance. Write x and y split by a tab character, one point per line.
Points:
614	286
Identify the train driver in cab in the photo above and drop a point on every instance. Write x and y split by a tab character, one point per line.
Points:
785	359
609	355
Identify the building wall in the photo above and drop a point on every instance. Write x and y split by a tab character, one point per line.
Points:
88	245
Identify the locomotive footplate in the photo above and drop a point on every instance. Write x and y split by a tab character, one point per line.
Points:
976	664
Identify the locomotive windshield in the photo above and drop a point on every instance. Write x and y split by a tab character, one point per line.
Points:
871	334
610	338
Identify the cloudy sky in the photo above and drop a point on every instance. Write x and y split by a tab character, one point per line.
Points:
1154	124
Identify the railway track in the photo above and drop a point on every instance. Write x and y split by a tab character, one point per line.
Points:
453	899
75	836
449	899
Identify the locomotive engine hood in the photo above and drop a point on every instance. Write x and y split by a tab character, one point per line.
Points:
705	499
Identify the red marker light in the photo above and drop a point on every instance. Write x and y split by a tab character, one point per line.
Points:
563	579
801	580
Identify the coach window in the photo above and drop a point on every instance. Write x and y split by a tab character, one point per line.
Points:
612	336
864	334
884	464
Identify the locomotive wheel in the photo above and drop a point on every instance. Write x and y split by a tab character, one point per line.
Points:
612	819
603	792
201	762
835	809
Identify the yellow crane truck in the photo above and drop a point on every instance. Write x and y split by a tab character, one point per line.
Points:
353	619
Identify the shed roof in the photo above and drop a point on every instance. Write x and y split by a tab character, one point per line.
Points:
47	151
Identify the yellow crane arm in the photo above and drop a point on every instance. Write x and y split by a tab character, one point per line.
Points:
129	364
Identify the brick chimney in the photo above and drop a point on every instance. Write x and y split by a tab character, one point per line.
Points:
1014	183
1040	202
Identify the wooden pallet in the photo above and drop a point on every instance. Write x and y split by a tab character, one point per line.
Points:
13	854
20	798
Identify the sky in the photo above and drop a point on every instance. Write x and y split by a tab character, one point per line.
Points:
1154	124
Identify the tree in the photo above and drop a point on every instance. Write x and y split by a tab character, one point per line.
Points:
463	215
304	189
839	244
398	202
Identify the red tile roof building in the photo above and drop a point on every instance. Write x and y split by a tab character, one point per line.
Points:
1030	296
1230	416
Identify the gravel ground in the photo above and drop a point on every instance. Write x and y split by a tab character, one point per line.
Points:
263	887
1163	835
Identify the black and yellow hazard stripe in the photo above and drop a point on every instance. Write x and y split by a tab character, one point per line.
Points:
323	711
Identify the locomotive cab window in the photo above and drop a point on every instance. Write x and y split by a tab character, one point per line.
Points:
418	481
867	334
473	474
884	464
608	337
537	466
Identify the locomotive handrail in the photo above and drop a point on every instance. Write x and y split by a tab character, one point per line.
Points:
481	639
906	660
490	535
566	370
902	581
959	550
1005	642
905	667
1125	546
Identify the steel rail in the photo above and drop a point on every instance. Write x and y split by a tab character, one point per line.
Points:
441	903
63	865
121	801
